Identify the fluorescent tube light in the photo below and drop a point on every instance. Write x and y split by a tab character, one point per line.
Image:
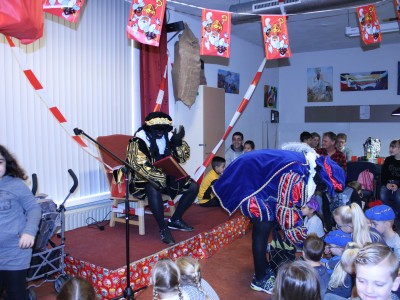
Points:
385	28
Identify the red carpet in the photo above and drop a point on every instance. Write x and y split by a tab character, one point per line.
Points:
99	256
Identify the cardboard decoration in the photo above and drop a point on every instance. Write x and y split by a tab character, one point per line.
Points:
186	70
370	30
396	4
22	19
276	38
67	10
215	33
145	21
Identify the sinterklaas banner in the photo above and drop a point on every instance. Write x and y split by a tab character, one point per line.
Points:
67	10
145	21
370	30
215	33
276	38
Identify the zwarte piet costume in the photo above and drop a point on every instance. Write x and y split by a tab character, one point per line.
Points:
272	185
152	142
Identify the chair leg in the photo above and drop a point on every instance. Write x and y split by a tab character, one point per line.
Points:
171	207
140	214
113	214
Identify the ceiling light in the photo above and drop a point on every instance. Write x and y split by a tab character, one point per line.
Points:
385	28
396	112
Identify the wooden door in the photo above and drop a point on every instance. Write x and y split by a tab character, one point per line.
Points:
214	119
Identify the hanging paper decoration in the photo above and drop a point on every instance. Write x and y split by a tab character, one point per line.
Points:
215	33
145	21
66	9
370	30
396	4
22	19
276	39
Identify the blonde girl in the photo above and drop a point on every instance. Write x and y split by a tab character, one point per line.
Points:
341	282
191	281
351	219
165	278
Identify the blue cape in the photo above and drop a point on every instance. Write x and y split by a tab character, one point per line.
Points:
257	173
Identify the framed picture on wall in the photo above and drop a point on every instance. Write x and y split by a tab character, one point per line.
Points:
319	84
274	116
270	96
364	81
229	81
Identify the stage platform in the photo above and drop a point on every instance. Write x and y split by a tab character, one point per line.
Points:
99	256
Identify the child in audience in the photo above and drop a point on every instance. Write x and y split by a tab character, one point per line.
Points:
377	273
382	219
165	278
296	280
206	196
19	221
341	145
351	219
357	194
336	242
390	177
192	282
341	282
312	221
313	249
306	138
77	289
249	146
316	138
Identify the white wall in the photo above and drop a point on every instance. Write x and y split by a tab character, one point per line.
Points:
86	71
245	59
293	99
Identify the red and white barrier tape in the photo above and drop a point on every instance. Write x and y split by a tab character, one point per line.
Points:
161	92
199	172
41	92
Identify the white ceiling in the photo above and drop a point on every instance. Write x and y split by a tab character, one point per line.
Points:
307	32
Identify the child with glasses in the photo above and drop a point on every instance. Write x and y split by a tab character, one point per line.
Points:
335	242
351	219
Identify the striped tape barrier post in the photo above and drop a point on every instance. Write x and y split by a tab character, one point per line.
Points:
199	172
41	92
161	92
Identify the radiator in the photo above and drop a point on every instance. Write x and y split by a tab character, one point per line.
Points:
82	216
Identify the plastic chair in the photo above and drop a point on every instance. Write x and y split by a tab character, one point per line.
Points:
117	144
354	168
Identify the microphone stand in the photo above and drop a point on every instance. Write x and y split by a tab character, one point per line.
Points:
128	291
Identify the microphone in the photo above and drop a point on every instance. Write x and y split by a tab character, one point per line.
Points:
78	131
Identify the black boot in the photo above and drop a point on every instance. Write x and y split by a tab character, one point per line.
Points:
166	236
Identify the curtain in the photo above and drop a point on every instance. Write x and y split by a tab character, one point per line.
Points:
152	66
